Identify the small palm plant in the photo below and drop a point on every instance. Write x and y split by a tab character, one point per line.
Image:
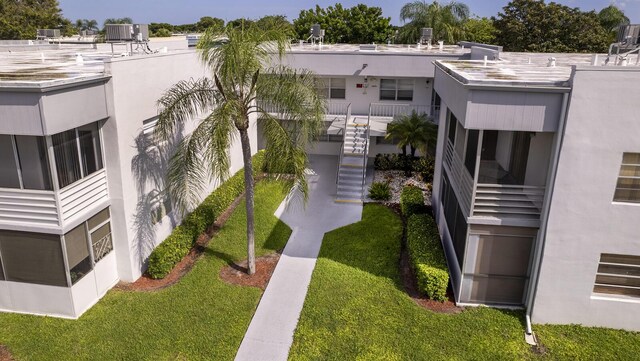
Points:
415	131
239	59
447	20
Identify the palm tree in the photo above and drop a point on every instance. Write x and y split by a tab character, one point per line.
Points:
447	20
239	60
415	131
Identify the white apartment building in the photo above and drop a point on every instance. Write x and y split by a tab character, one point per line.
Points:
82	189
535	192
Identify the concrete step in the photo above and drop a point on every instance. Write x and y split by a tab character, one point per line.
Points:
349	195
353	201
350	187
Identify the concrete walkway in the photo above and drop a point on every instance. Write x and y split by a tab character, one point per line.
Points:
270	333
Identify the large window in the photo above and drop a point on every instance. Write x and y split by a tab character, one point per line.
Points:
618	275
456	221
78	256
32	258
78	153
396	89
628	187
24	163
334	88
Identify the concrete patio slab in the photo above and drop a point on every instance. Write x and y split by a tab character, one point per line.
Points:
270	333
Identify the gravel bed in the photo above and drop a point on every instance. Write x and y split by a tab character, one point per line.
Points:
397	181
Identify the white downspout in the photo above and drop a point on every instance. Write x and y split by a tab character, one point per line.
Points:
533	282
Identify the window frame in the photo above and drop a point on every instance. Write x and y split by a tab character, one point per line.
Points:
632	264
635	179
18	164
78	148
396	89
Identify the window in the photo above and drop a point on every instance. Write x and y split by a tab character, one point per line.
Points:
334	88
100	232
338	88
453	123
618	275
32	258
78	253
24	163
472	151
34	164
396	89
77	153
9	173
628	187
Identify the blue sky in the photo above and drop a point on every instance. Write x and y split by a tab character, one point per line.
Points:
189	11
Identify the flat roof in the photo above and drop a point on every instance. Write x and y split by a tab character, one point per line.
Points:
34	64
379	49
520	69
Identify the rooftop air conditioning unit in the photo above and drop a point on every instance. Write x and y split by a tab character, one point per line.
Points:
426	35
141	32
48	33
316	31
629	35
119	32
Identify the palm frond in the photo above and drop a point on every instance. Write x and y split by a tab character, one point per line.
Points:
183	102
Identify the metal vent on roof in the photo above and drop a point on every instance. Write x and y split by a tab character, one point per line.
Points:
426	35
368	47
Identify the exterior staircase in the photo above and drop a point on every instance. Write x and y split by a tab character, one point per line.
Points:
353	161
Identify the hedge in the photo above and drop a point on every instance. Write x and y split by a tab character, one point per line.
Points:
411	201
178	244
427	257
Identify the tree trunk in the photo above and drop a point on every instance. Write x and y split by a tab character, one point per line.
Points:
249	191
404	151
413	152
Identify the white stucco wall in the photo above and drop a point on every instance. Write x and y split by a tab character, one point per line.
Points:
137	83
584	221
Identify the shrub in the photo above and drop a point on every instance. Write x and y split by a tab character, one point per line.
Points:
380	191
427	257
412	201
423	165
181	240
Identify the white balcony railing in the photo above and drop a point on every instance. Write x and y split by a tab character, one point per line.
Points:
83	194
508	201
461	180
50	210
392	110
23	206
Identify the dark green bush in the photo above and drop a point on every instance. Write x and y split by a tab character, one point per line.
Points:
181	240
412	201
427	257
423	165
380	191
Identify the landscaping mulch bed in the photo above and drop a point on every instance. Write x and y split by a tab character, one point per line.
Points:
236	273
397	180
146	283
5	355
411	287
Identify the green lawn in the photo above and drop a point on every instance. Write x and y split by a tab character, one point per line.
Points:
356	310
200	318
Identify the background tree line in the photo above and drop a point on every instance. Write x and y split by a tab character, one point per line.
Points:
522	25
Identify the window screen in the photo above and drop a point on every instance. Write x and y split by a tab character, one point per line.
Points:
65	148
387	89
618	275
628	186
90	152
101	242
32	152
32	258
338	88
8	167
77	253
405	89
